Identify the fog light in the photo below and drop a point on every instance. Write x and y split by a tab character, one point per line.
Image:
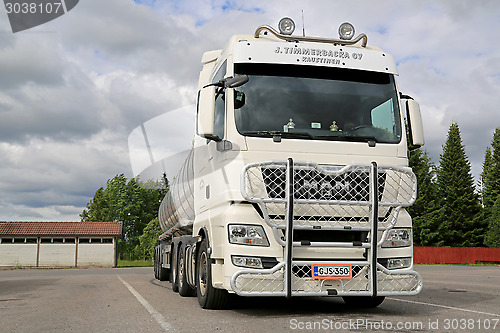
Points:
249	262
346	31
286	26
397	263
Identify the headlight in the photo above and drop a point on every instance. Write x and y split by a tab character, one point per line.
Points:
398	237
247	235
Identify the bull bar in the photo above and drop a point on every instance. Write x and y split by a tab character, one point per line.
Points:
307	196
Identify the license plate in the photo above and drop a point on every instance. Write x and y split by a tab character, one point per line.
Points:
331	271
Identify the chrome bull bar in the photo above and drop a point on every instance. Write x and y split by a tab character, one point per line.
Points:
307	196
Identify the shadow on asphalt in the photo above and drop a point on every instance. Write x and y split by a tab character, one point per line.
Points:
307	306
277	306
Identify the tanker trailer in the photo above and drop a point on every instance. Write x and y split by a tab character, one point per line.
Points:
176	216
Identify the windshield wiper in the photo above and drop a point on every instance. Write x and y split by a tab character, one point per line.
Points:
361	138
297	135
291	135
262	133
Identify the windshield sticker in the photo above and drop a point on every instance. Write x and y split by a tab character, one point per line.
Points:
322	56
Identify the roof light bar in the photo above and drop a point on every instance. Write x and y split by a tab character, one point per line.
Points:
362	37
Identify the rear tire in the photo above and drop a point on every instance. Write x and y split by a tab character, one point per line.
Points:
363	301
155	263
208	296
185	290
163	273
173	271
160	272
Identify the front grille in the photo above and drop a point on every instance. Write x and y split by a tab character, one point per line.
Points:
309	184
329	235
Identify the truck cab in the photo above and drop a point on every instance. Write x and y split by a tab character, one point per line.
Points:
298	179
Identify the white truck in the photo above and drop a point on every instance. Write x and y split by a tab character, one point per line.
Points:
298	179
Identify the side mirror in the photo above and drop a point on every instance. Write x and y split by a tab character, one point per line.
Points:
237	81
230	82
206	113
415	126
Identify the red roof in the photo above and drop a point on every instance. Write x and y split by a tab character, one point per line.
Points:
60	228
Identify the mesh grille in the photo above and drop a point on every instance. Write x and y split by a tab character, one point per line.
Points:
272	283
311	184
328	198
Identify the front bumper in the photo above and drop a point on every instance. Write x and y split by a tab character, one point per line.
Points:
271	282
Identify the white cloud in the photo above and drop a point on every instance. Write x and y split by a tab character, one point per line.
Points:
72	90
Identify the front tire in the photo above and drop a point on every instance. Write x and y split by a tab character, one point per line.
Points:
363	301
208	296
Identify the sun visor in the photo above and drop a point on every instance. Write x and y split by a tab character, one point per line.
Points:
314	54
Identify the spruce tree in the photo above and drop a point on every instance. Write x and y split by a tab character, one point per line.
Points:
491	172
426	202
485	178
492	237
458	225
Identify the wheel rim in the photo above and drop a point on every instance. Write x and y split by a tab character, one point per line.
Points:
174	271
202	275
180	270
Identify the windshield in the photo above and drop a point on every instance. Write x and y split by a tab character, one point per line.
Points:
318	103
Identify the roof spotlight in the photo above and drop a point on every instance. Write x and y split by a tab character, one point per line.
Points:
346	31
286	26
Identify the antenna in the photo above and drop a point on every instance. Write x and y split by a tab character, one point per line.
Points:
303	25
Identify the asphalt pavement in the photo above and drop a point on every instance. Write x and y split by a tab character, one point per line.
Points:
454	299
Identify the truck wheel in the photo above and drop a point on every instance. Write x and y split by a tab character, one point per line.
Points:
363	301
155	264
173	271
185	289
163	273
208	296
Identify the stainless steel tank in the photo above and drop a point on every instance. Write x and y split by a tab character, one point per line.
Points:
176	213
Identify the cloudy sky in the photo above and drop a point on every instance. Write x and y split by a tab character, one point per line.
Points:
74	89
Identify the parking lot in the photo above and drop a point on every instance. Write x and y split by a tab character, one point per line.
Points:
454	298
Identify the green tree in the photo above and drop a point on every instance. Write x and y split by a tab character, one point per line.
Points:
97	209
490	176
485	176
426	202
132	203
458	222
492	237
148	240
